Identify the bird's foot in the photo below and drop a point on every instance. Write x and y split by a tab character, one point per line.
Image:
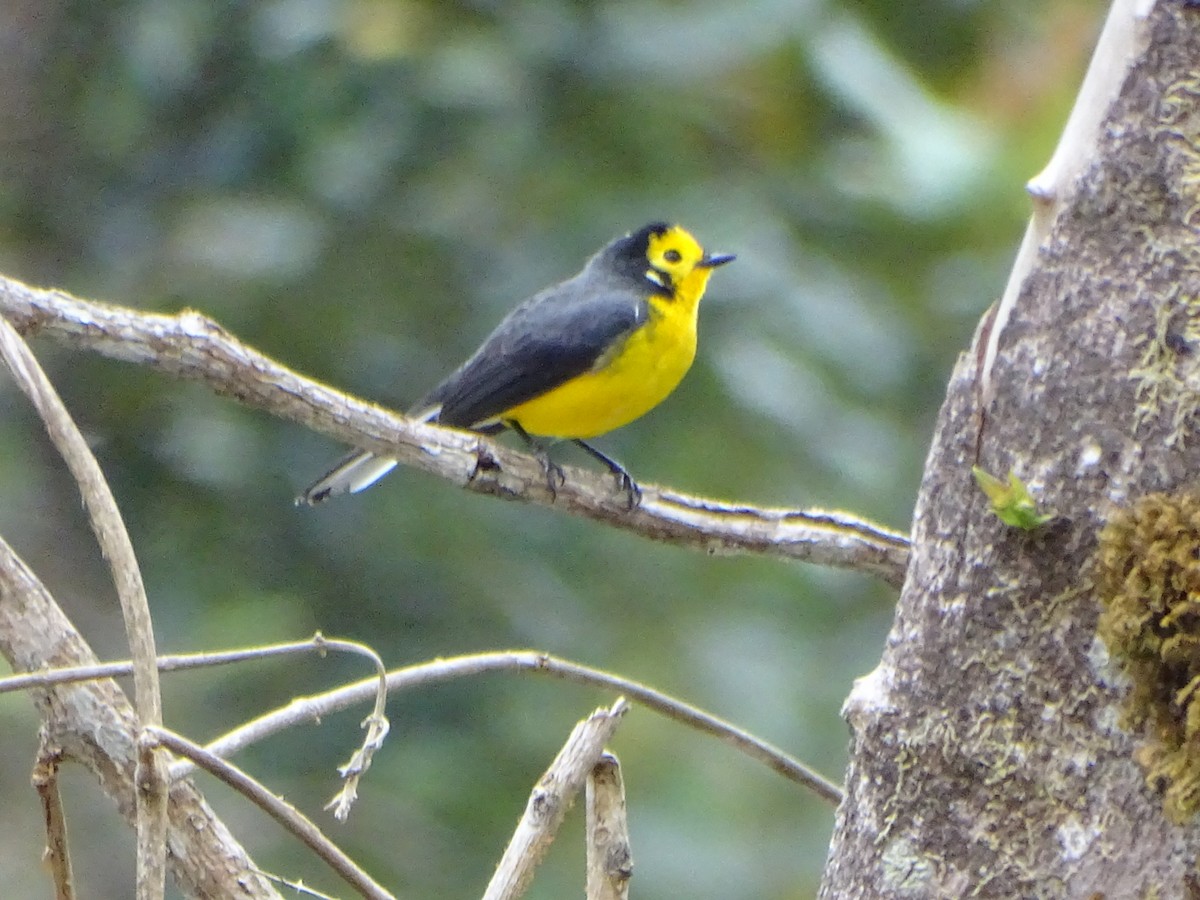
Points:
625	482
555	477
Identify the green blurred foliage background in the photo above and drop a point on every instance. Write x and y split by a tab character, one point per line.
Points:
361	188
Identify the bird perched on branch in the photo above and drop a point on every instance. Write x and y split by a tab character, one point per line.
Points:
575	360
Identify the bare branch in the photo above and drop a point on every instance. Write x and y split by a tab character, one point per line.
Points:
376	725
550	800
117	549
609	857
191	346
173	663
94	725
57	857
309	709
313	709
285	814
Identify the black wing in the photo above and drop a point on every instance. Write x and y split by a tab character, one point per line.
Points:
547	340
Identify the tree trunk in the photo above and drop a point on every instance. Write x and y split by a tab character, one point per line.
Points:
1004	747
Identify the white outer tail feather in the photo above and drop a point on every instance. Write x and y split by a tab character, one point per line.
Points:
357	471
352	474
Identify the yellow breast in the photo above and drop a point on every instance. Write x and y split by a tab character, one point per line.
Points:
629	380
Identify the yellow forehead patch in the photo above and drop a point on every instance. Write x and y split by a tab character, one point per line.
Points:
687	250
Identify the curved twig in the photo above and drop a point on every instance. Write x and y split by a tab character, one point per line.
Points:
306	709
116	547
309	709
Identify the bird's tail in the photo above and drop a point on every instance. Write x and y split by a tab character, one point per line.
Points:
352	474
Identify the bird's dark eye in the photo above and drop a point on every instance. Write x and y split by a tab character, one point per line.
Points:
672	256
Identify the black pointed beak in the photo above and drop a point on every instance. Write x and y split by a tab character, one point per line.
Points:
712	260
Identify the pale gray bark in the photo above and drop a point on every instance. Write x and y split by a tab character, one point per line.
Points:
989	755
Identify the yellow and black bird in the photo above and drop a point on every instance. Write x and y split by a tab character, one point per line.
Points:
575	360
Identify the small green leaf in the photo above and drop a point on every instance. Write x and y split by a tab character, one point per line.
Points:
1011	501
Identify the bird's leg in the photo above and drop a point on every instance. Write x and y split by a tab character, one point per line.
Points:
625	481
555	477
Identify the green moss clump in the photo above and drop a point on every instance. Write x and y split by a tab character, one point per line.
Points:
1149	584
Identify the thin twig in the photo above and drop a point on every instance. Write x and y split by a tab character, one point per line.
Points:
191	346
304	710
57	857
609	853
312	709
170	663
284	813
117	549
552	796
376	725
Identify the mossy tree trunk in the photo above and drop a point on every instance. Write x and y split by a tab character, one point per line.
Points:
1004	747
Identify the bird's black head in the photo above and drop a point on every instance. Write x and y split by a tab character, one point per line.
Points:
659	257
628	255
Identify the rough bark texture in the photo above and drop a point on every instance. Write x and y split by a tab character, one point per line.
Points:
993	753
